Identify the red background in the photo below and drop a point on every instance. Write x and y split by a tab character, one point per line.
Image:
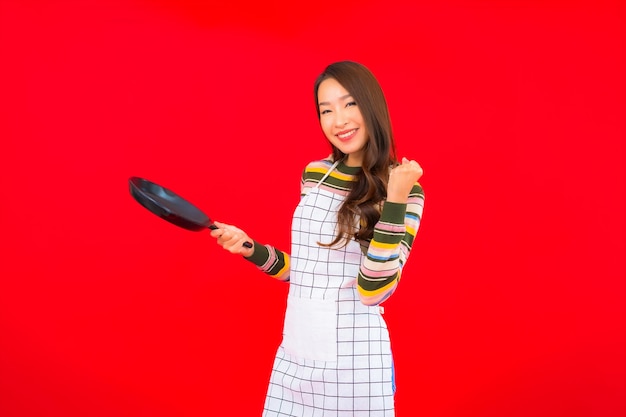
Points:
513	301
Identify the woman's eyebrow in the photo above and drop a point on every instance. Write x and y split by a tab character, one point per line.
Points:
326	103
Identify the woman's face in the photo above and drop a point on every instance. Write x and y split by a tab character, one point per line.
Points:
342	121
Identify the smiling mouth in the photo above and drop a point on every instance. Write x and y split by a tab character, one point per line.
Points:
346	135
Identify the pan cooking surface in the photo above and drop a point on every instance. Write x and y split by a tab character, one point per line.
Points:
167	204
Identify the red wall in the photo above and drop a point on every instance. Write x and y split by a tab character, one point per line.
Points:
513	301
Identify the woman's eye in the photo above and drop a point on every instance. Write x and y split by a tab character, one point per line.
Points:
352	103
324	111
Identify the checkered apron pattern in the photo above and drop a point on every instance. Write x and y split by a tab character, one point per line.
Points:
335	357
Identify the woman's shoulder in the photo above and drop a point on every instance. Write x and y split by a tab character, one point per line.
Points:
316	169
316	174
312	173
319	165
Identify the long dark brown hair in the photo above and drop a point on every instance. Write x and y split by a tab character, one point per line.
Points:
370	187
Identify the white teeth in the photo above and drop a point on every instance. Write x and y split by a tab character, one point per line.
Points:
345	135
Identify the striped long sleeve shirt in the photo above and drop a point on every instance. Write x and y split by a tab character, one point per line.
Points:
387	252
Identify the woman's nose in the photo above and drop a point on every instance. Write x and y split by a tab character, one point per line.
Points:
341	119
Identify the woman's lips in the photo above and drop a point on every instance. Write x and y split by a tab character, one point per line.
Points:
346	135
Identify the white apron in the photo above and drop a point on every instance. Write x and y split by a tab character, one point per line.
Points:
335	358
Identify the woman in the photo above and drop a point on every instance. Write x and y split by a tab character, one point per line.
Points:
352	233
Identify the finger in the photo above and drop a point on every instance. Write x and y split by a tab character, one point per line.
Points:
234	244
215	232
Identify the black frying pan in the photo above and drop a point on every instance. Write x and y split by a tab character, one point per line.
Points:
170	206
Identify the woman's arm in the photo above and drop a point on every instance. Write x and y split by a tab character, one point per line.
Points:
270	260
393	235
390	247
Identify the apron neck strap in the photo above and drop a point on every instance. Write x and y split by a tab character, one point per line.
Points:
332	168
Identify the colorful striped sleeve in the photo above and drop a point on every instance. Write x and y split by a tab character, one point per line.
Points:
390	247
270	260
